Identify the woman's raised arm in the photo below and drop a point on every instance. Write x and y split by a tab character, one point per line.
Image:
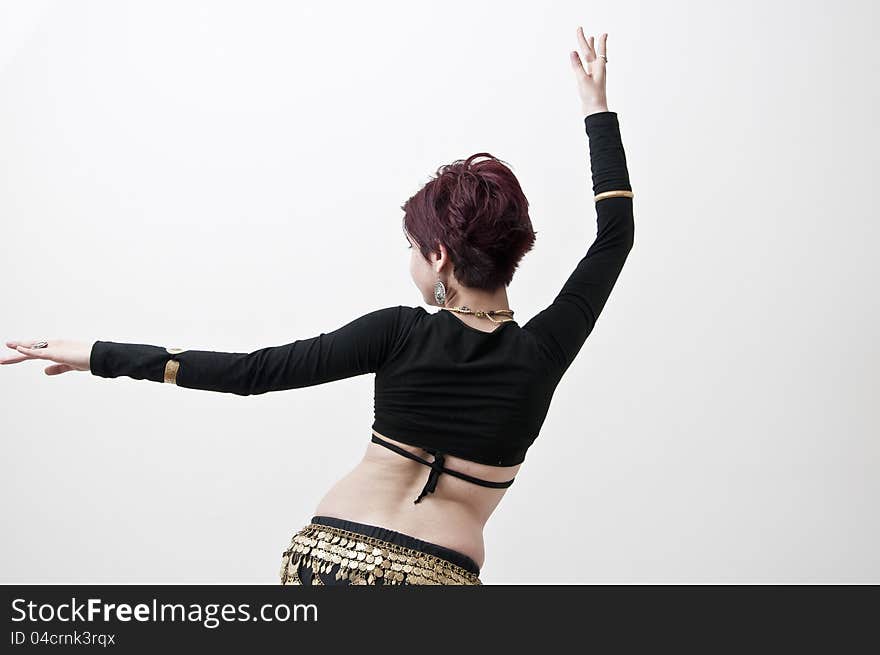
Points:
563	327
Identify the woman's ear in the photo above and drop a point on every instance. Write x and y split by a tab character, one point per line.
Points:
440	258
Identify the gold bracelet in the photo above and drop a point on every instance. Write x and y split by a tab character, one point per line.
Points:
613	194
172	366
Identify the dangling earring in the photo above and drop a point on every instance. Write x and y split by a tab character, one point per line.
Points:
439	293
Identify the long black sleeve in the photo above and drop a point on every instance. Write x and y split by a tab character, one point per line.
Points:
361	346
563	327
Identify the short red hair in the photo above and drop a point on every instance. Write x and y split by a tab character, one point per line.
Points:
476	209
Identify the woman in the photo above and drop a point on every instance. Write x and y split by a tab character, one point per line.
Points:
460	394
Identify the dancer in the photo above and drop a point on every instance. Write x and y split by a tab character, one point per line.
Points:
461	393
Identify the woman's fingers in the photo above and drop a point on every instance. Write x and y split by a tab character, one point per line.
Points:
24	347
586	45
27	343
24	351
590	51
34	353
586	51
577	64
603	47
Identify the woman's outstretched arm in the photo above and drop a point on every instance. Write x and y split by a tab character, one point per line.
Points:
358	347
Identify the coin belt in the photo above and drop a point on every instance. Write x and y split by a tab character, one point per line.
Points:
363	560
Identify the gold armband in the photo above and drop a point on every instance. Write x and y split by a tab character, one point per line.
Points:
172	366
613	194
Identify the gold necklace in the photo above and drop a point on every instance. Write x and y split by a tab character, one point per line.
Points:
464	309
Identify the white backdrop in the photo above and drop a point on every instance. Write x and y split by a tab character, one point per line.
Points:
228	175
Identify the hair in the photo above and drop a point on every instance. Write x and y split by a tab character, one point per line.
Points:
476	209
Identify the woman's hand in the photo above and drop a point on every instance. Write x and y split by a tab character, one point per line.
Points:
590	77
67	355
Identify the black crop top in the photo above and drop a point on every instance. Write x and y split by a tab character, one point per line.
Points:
440	384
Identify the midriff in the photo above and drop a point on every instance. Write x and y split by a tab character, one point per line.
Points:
381	488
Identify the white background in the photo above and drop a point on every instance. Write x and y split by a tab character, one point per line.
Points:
228	175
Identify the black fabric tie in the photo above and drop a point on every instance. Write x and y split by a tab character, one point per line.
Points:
431	484
437	468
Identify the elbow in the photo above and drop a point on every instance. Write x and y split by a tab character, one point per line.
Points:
627	230
624	235
616	223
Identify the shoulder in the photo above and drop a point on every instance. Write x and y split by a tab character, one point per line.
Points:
403	312
408	316
398	312
398	324
394	319
414	312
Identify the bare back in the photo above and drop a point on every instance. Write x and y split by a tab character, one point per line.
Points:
380	490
